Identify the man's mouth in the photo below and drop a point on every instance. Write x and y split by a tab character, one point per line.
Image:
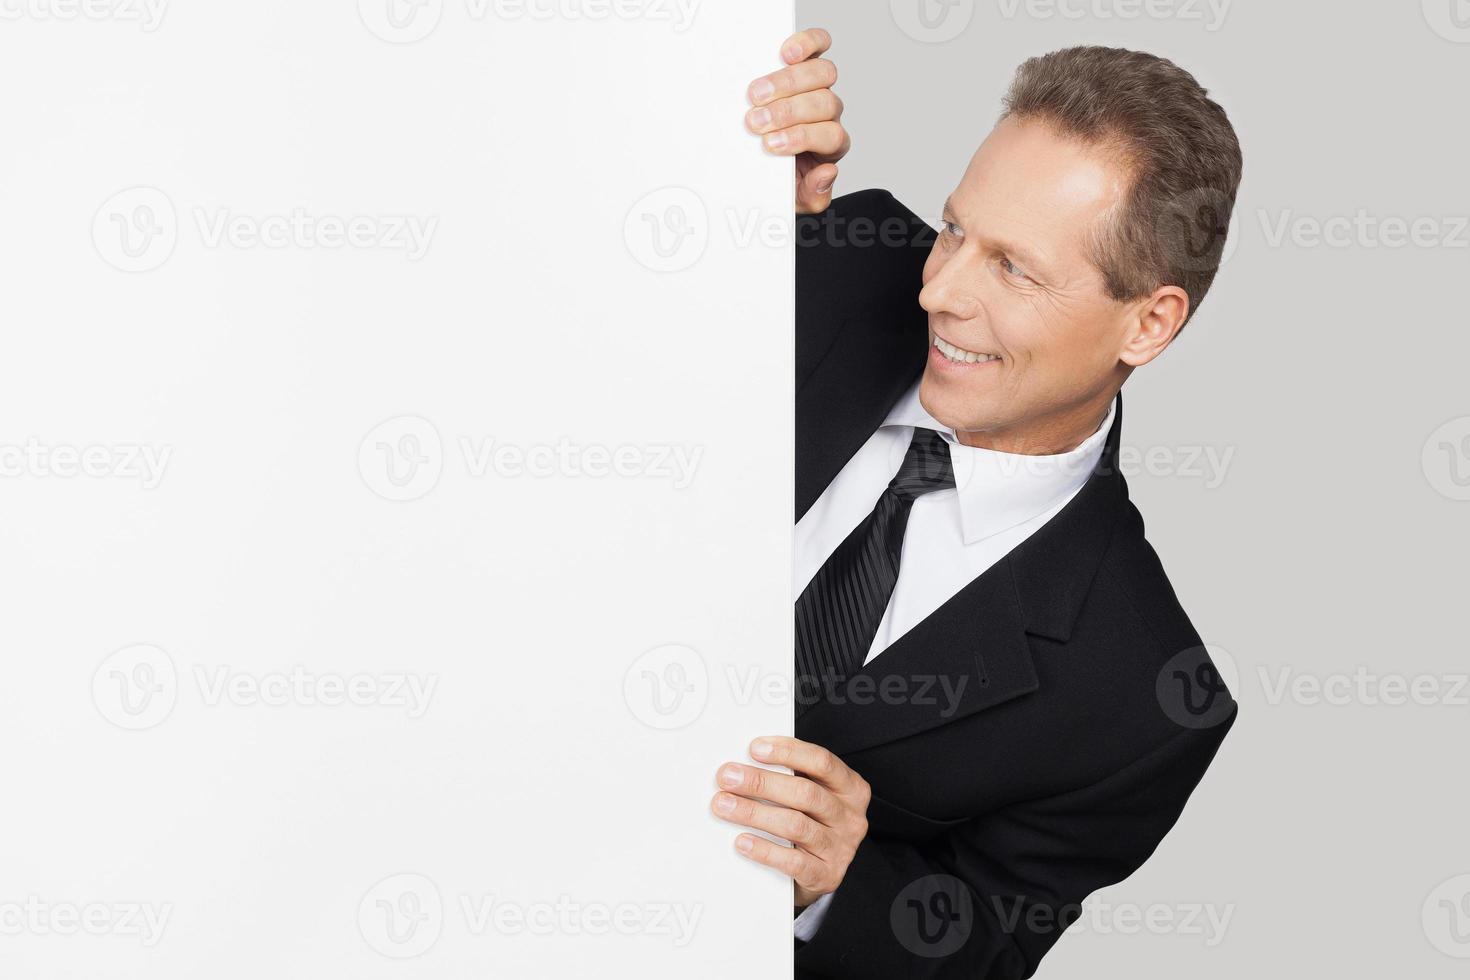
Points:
958	355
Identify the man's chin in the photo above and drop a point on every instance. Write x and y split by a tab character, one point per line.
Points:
954	404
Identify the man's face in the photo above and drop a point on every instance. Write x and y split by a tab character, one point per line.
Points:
1011	278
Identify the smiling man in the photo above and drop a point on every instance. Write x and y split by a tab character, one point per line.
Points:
1002	706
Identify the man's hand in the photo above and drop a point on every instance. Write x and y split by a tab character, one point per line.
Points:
822	811
797	114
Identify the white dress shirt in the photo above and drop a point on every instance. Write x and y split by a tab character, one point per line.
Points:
953	536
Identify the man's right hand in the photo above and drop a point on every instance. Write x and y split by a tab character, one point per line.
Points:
797	114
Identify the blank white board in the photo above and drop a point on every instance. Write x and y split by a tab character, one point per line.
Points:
396	493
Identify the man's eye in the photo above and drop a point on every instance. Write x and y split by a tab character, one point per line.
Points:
1011	268
953	230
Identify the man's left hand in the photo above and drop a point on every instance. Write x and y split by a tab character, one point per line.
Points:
822	810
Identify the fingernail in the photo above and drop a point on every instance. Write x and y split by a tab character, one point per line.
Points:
762	90
791	52
725	804
761	749
745	844
759	118
777	141
730	776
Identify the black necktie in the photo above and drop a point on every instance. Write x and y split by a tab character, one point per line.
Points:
838	614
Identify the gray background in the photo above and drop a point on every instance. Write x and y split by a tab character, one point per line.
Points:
1331	832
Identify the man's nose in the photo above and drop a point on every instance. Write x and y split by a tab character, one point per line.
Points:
952	290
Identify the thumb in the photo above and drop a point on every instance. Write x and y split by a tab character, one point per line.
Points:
814	189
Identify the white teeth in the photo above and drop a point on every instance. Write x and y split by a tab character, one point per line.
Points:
961	356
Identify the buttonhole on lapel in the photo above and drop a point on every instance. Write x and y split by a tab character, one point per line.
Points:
980	669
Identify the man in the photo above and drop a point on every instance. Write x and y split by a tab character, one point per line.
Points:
1002	707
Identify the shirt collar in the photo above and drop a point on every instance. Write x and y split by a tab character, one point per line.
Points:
996	490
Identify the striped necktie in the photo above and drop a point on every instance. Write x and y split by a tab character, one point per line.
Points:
838	613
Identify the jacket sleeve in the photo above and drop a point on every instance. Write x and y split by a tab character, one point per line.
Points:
865	254
987	900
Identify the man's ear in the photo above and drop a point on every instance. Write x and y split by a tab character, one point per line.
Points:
1153	325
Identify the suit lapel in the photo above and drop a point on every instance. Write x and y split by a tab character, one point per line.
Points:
973	653
969	655
872	362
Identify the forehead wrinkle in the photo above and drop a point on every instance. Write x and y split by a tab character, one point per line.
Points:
1102	188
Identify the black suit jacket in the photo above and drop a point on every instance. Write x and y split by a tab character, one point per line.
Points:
1040	732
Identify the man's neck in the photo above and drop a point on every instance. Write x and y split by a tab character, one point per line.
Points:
1051	435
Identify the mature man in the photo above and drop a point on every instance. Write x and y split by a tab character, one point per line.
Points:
1002	706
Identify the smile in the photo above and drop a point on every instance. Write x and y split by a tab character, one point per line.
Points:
958	355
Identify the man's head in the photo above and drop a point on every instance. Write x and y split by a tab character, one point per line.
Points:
1085	232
